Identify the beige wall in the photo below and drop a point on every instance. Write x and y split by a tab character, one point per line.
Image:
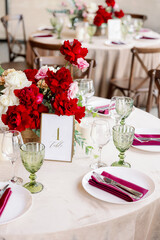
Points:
35	13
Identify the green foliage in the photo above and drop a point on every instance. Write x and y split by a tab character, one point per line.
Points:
81	142
1	70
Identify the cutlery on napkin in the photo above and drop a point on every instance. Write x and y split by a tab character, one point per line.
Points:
4	199
116	190
146	139
148	38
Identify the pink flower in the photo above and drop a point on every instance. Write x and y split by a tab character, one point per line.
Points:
42	73
71	11
64	4
72	91
81	63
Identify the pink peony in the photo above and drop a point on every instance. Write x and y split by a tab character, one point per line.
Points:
82	64
72	91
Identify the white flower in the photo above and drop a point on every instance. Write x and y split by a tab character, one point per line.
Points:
7	100
17	80
92	7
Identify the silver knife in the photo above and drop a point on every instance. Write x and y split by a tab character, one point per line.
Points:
112	182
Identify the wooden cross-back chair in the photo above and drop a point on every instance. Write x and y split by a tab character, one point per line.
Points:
138	16
134	86
154	75
15	46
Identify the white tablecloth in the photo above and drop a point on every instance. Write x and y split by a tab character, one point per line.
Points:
113	61
64	210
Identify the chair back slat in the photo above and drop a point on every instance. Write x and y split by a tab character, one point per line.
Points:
12	35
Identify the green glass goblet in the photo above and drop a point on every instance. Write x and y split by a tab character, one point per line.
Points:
123	136
32	155
91	29
124	106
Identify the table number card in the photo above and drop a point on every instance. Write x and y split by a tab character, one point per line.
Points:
114	29
57	136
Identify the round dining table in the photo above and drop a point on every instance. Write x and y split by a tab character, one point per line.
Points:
64	210
112	60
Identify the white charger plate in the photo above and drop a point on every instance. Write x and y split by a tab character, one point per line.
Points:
149	148
127	174
18	204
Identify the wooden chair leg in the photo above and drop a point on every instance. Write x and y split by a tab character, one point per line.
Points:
111	89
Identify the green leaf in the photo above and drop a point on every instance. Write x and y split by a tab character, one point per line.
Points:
1	70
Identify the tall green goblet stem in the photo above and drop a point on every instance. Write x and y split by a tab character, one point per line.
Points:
122	122
33	178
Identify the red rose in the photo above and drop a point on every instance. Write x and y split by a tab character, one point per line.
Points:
35	123
119	14
59	81
110	3
30	74
98	20
73	51
29	97
16	118
80	113
107	16
42	109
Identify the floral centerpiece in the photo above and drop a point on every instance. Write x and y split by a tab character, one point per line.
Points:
30	93
110	11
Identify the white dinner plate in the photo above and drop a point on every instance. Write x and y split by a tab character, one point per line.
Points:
128	174
19	203
98	103
149	148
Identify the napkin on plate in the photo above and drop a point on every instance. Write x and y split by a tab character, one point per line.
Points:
118	43
42	35
115	191
136	142
104	111
4	199
148	38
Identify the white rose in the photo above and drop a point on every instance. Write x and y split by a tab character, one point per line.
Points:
7	100
17	80
53	69
92	7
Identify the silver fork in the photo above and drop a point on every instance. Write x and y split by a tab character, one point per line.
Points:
100	179
145	139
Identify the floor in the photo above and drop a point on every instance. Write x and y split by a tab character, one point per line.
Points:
4	58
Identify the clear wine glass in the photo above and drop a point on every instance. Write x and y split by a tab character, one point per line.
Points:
85	89
59	21
123	136
100	134
113	112
91	29
32	155
124	106
11	142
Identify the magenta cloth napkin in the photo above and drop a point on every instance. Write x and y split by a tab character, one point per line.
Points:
113	190
4	199
118	43
155	143
46	35
149	38
105	111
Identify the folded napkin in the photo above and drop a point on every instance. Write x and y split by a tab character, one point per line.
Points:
43	35
118	43
149	38
145	30
4	199
115	191
105	111
137	142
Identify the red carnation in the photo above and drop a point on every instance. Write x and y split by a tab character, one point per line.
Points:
73	51
29	97
98	20
59	81
110	3
16	118
80	113
119	14
30	74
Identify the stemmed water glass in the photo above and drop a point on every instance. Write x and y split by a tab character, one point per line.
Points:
100	134
113	112
123	136
32	155
91	29
59	25
85	89
11	142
